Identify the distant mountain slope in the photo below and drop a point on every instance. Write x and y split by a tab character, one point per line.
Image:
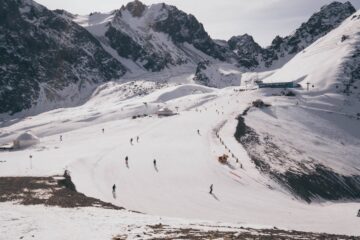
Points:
55	59
250	55
331	64
154	37
44	55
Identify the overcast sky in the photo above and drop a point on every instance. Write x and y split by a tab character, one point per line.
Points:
264	19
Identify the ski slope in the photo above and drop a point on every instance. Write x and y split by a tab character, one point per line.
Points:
186	161
322	63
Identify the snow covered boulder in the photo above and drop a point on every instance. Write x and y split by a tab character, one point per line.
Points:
26	139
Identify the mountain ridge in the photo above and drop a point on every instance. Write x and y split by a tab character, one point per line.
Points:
83	52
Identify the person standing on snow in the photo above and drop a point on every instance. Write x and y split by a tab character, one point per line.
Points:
211	189
60	138
131	141
154	162
114	191
127	161
137	139
103	130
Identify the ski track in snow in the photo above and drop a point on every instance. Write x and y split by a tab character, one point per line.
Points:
186	162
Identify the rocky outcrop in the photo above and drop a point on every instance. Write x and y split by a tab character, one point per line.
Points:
250	56
42	51
182	27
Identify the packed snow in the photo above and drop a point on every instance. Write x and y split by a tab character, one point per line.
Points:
119	121
186	161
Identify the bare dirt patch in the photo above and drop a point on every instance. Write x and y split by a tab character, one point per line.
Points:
166	232
49	191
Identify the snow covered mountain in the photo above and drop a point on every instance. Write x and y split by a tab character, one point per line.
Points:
56	59
292	156
47	59
154	37
330	65
250	55
326	115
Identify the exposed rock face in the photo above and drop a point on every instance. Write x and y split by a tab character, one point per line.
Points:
157	39
351	78
136	8
46	56
42	51
200	75
248	53
147	56
250	56
182	27
307	180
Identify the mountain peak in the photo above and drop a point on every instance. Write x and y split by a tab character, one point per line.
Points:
240	40
136	8
336	5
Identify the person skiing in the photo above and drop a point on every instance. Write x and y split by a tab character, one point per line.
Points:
154	162
198	131
114	191
137	139
131	141
358	213
127	161
211	189
60	138
103	130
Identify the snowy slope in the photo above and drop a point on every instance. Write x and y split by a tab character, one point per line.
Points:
315	128
322	63
186	162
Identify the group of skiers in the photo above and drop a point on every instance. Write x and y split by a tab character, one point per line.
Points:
127	162
210	192
154	163
132	140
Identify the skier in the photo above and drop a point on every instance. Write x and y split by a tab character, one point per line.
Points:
127	161
137	139
211	189
103	130
358	213
114	191
154	162
60	138
198	131
131	141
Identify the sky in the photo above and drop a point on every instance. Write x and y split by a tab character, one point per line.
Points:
222	19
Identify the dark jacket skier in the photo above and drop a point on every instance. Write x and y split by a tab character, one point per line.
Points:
211	189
